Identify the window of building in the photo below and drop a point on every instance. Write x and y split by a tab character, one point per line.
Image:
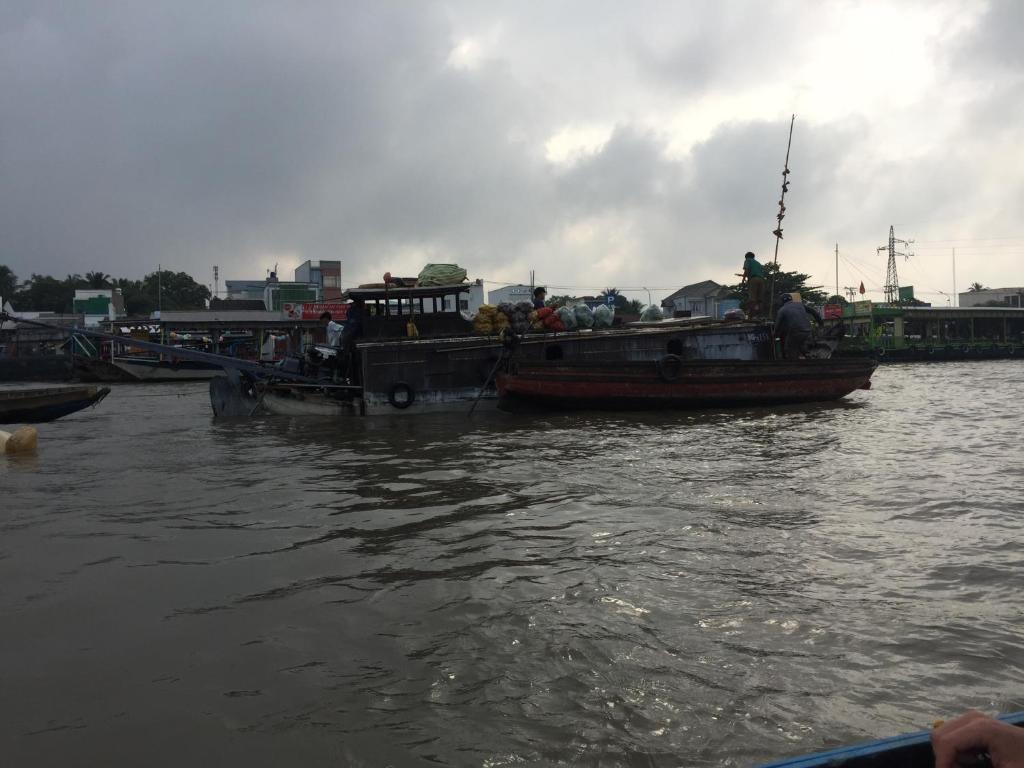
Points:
464	304
332	281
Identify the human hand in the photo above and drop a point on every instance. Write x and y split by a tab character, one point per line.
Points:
972	733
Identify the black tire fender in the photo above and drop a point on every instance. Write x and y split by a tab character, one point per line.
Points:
670	367
401	387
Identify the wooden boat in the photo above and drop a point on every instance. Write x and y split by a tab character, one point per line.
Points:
29	406
672	382
912	750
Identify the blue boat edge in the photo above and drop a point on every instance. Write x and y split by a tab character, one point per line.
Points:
872	750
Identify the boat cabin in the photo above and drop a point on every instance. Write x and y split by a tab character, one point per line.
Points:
434	310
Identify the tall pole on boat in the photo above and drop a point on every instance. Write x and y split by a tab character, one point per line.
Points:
837	269
780	216
785	187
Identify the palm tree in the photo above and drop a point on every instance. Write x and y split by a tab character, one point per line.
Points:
974	287
617	299
97	279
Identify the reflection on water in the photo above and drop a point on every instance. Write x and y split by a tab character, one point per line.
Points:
704	588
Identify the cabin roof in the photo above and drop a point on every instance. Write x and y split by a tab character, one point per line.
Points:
425	292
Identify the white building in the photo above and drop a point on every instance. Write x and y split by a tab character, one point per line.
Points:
468	302
704	298
97	305
512	294
1009	297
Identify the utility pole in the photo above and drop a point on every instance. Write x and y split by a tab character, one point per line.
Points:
216	280
892	282
837	269
956	296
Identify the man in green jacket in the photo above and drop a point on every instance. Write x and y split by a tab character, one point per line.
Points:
753	273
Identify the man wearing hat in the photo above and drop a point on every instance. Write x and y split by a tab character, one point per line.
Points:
753	273
793	325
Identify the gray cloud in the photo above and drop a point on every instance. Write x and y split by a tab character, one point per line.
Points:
238	134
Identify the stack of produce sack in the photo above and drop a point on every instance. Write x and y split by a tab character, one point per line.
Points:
603	316
521	317
517	315
568	317
550	319
501	318
584	316
441	274
483	323
651	313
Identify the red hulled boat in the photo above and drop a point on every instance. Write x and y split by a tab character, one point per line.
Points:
675	383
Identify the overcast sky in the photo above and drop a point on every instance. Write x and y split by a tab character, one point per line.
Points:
599	143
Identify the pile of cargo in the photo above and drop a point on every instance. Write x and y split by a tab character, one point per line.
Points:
523	318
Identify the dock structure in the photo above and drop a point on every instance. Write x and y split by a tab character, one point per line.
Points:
895	332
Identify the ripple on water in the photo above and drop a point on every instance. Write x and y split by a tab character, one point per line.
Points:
709	588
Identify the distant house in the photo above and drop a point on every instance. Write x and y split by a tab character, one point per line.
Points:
97	305
512	294
988	297
325	274
704	298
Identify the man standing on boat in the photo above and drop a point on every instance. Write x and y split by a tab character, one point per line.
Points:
793	325
352	330
753	273
539	294
333	330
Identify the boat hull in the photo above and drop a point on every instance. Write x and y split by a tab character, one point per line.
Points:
165	370
33	406
686	384
912	750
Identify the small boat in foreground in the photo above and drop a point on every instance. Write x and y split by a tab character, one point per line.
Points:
912	750
672	382
34	405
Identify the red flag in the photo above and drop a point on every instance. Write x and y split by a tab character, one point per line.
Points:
861	287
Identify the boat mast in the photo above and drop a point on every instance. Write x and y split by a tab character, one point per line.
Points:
780	216
785	187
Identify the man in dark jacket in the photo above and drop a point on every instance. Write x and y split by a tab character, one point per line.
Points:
539	294
793	326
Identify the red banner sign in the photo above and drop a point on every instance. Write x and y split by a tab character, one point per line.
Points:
833	311
313	311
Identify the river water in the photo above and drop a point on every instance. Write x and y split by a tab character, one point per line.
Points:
688	589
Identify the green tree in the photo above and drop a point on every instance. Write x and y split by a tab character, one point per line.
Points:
778	281
43	293
97	279
560	301
635	306
179	290
835	298
136	301
975	287
8	283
